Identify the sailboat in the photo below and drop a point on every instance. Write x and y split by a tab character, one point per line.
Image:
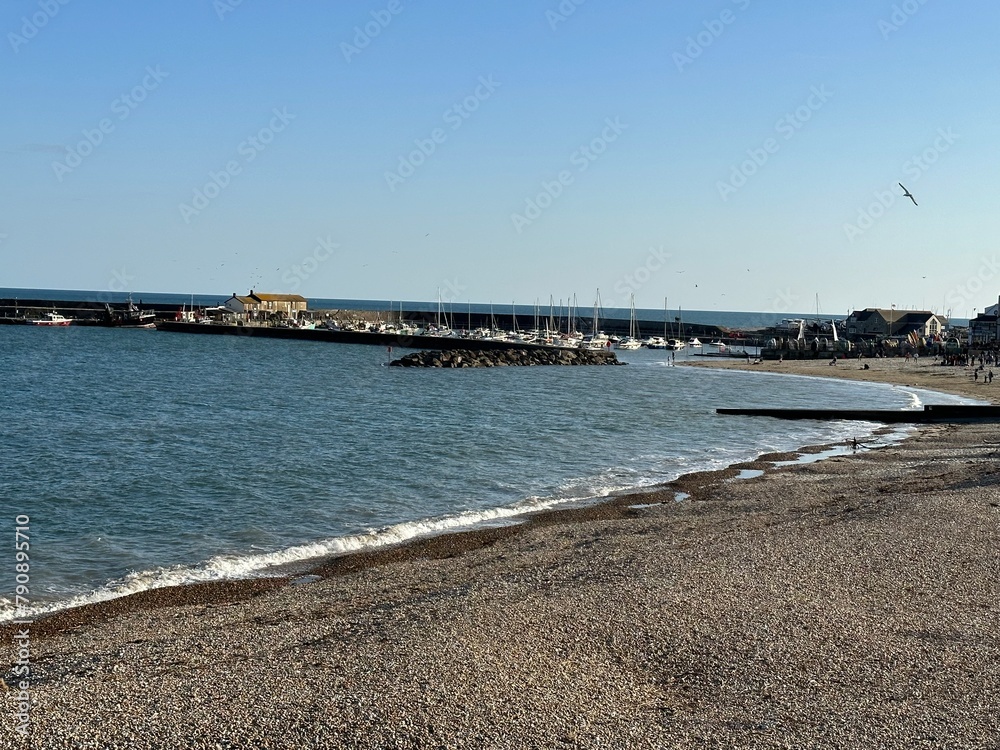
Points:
598	339
630	341
659	342
439	328
676	344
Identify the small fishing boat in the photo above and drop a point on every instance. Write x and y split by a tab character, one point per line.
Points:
130	317
50	319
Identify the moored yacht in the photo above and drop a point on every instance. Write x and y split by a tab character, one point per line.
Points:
50	319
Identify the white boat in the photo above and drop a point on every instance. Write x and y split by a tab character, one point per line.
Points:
694	343
630	341
655	342
596	343
598	339
673	344
50	319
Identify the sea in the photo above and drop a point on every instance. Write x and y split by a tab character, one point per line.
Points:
136	459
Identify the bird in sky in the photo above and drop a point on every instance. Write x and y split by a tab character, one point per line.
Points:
907	194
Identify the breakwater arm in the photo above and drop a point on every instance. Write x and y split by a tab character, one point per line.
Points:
463	358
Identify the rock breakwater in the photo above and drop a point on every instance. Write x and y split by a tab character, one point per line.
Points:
506	358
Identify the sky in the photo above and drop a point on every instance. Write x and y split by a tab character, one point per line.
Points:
724	155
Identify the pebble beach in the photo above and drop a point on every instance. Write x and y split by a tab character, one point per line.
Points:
848	602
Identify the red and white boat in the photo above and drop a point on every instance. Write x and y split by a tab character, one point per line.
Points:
50	319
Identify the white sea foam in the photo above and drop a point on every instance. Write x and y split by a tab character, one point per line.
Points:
228	567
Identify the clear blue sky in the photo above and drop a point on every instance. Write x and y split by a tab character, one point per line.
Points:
735	150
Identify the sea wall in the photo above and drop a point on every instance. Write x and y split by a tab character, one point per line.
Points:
506	358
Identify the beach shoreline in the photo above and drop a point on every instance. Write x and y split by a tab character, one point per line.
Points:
547	577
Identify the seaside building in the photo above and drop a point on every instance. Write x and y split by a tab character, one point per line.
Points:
985	327
260	305
874	321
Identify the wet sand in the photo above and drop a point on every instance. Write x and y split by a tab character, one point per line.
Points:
919	373
852	602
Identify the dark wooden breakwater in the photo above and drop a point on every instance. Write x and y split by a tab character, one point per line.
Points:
343	337
930	413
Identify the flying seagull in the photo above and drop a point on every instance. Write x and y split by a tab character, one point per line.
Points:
907	194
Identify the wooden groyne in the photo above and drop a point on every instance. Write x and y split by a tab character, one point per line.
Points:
930	413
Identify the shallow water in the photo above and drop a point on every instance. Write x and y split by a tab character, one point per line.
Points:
146	458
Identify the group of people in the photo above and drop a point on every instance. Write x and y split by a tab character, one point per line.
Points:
987	376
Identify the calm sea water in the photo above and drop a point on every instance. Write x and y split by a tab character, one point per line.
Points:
146	458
